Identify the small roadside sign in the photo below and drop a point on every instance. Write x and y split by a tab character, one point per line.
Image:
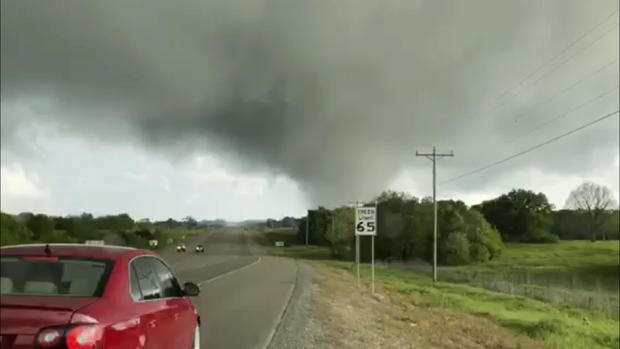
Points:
94	242
279	243
153	243
366	221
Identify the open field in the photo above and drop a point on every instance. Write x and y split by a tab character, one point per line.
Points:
292	249
577	260
577	273
556	326
561	295
352	317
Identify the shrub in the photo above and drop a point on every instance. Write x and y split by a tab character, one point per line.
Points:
340	235
456	249
479	253
13	232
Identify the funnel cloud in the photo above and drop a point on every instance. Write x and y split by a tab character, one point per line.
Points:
336	95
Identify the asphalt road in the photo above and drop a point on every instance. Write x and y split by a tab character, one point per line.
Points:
243	292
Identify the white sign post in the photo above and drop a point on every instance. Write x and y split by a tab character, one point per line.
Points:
365	225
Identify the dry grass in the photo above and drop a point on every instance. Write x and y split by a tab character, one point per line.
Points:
356	319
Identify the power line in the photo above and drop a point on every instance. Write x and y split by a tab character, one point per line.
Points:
572	86
480	169
564	114
561	64
564	50
577	52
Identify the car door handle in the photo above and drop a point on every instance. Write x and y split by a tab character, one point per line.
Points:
177	315
153	323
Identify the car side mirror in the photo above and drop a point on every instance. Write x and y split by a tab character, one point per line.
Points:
191	289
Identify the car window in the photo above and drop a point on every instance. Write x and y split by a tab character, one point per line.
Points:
134	286
169	285
147	278
52	276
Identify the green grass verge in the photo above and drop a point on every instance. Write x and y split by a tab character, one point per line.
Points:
601	257
292	249
580	273
558	326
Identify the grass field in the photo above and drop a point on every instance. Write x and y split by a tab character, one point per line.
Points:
541	287
577	273
556	326
584	258
292	249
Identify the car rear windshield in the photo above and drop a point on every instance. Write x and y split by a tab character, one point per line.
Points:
52	276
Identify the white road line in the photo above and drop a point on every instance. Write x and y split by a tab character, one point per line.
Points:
228	273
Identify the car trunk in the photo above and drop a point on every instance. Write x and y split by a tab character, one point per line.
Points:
26	315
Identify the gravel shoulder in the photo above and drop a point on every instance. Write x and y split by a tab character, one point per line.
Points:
327	310
299	328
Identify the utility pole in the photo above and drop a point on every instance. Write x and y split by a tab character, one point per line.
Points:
307	225
433	157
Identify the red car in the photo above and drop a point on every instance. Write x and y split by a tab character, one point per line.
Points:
74	296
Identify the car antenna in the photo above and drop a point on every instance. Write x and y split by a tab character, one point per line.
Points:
48	251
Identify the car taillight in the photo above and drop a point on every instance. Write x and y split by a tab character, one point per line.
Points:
85	337
49	337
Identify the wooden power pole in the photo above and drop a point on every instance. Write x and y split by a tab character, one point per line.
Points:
434	157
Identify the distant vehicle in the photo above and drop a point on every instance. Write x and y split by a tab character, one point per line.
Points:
181	248
200	248
77	296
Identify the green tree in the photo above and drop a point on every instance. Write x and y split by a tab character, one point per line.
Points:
41	226
340	233
456	249
485	241
83	228
301	230
395	230
570	225
189	222
144	224
464	236
318	226
595	201
612	226
13	232
520	215
114	222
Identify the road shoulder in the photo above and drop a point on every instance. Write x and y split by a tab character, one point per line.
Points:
298	327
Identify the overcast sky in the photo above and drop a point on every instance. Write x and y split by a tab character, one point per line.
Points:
255	109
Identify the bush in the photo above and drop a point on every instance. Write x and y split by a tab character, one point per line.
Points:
487	240
545	239
479	253
56	236
495	245
13	232
340	236
456	249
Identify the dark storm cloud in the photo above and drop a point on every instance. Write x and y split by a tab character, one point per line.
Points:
338	95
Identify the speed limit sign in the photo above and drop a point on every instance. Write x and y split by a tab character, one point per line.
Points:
365	221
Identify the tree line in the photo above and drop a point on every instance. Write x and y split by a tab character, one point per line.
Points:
465	234
118	229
